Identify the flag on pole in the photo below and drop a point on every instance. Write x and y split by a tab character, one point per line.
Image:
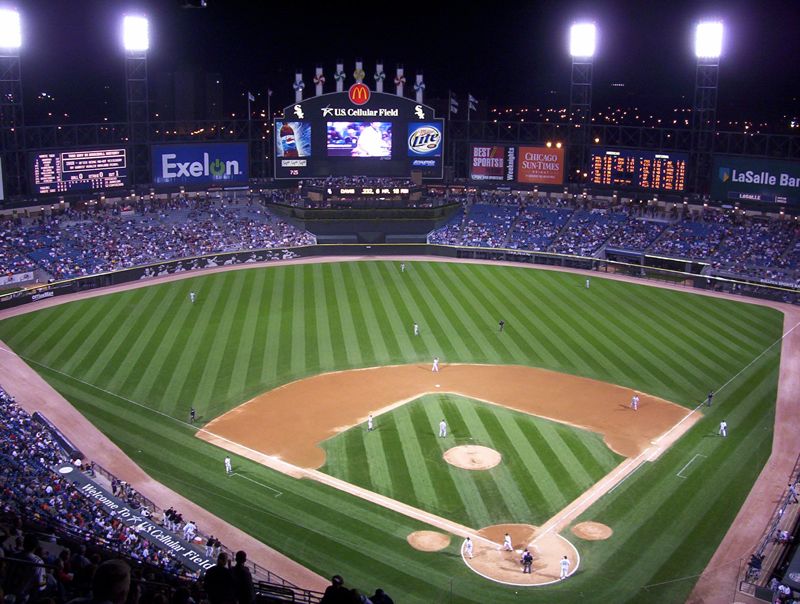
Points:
453	103
473	102
250	97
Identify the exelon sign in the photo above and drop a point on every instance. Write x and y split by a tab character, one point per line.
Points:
219	163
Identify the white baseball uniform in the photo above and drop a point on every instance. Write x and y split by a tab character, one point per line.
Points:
228	466
435	364
442	428
564	567
468	547
370	424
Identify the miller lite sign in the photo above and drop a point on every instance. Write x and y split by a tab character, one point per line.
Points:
424	139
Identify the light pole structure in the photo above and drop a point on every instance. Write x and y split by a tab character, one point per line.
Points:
12	116
707	49
136	42
582	44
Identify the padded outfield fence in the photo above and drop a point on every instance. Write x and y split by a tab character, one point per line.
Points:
672	270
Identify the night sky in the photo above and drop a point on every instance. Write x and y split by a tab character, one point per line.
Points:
514	56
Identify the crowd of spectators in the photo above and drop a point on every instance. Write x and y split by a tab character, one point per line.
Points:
84	242
636	234
587	231
536	227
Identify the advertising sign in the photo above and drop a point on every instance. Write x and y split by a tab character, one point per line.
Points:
487	162
540	165
736	179
200	164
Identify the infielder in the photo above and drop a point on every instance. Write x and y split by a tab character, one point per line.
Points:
442	429
416	329
228	466
635	402
564	567
709	398
468	547
370	423
192	297
435	367
192	414
723	428
507	543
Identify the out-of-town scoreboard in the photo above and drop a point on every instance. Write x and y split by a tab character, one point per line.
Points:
639	169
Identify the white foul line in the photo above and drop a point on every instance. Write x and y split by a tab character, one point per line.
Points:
279	493
687	465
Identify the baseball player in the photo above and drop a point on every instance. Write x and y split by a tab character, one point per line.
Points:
416	329
468	547
192	297
228	466
635	402
527	561
709	398
587	284
564	563
723	428
507	543
370	423
192	414
502	325
435	367
442	428
402	267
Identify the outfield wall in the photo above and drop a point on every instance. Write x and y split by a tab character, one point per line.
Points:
691	277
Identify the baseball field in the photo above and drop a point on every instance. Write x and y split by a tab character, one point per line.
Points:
134	362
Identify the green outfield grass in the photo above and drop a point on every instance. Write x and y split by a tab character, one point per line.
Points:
134	362
545	465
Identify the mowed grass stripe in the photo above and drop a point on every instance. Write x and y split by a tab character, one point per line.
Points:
297	364
347	327
258	350
628	359
114	323
281	362
311	361
378	330
60	352
340	354
245	340
190	348
519	340
388	431
400	323
322	334
132	330
272	337
377	464
356	302
477	318
415	310
60	330
207	383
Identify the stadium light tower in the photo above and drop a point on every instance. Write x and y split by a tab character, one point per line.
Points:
136	42
12	117
582	46
707	50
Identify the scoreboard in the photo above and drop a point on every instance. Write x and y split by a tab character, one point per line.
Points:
358	132
639	169
79	170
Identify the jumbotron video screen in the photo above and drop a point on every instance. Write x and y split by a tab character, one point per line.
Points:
358	133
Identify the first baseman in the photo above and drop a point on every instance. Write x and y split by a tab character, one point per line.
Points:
635	402
564	567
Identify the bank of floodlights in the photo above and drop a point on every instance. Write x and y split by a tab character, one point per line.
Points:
135	34
10	29
708	40
582	40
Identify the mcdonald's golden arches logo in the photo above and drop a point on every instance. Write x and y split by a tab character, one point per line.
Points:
358	93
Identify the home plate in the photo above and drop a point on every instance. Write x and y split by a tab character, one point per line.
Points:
437	385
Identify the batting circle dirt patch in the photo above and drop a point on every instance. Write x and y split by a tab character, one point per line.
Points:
491	561
472	457
592	531
428	541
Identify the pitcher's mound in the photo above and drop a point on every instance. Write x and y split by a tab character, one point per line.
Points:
472	457
428	541
592	531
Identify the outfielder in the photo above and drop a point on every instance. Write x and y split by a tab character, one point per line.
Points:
723	428
416	329
442	429
192	297
228	466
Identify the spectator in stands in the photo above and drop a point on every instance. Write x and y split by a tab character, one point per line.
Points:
243	580
219	582
26	582
336	592
110	585
380	597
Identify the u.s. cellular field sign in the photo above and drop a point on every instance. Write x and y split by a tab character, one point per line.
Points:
743	179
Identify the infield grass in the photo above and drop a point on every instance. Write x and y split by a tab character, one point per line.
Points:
134	362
